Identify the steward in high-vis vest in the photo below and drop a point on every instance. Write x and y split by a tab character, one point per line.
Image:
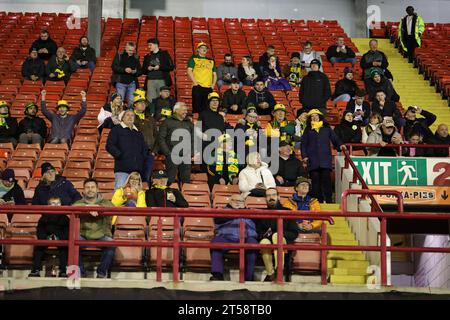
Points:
409	32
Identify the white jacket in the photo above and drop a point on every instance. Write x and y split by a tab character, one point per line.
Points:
103	115
249	177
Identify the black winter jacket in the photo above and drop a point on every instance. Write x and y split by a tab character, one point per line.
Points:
158	198
48	44
256	97
421	125
128	148
84	55
33	125
53	224
17	193
53	66
9	129
315	90
372	87
290	170
166	131
120	63
230	98
345	86
33	67
389	110
348	132
61	188
290	227
444	152
165	66
332	53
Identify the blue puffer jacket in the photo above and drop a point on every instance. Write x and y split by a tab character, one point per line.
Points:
61	188
229	228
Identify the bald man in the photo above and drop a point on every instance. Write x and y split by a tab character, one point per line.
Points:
227	231
442	137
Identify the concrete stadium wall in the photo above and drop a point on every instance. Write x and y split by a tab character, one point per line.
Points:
341	10
437	11
432	269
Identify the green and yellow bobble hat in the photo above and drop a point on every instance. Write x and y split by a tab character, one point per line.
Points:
4	104
4	116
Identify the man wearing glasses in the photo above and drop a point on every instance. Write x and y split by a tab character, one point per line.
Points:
227	231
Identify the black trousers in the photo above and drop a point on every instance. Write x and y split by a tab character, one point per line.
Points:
200	98
172	170
321	184
411	45
39	253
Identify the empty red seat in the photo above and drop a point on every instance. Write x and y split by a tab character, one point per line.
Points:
76	174
198	230
193	189
200	201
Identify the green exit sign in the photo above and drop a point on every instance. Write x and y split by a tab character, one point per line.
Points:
393	171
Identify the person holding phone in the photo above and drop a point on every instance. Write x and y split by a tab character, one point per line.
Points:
341	53
385	134
126	70
419	124
58	67
45	45
131	194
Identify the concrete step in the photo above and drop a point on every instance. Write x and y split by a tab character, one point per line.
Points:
339	224
348	271
340	256
339	219
340	230
345	252
330	206
339	279
351	264
331	264
342	236
344	242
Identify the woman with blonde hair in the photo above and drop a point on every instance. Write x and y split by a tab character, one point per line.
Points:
111	114
131	194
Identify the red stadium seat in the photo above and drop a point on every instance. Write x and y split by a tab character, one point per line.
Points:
198	230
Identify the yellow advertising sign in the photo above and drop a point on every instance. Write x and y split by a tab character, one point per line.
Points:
423	195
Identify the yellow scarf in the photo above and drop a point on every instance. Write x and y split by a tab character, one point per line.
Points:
316	125
160	187
141	115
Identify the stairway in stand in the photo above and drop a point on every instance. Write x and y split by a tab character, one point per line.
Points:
408	83
344	267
